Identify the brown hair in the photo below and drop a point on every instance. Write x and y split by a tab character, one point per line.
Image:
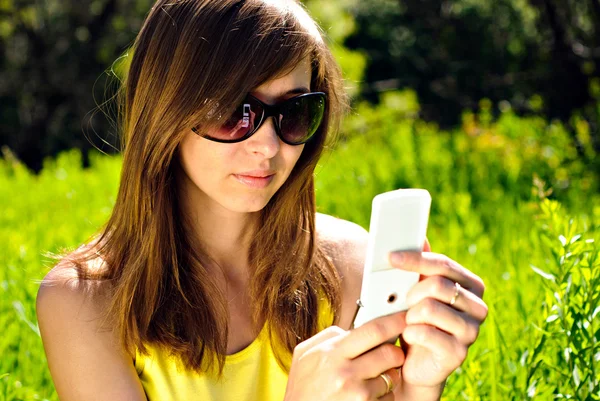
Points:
190	59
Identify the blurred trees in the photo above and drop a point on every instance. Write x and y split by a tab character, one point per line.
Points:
52	57
540	56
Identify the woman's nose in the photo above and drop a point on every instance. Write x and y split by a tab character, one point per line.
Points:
265	141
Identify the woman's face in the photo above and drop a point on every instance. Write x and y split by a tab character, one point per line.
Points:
243	176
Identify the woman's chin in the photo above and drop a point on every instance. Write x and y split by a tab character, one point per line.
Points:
247	205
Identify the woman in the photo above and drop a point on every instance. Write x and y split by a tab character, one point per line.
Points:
215	278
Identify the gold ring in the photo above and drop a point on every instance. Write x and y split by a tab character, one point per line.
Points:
456	294
388	382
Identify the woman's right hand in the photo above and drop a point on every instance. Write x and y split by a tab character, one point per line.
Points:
340	365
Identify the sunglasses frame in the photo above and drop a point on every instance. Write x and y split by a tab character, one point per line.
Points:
269	111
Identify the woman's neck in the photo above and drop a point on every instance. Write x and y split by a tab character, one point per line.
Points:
226	237
224	234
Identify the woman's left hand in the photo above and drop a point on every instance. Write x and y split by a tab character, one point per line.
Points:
438	334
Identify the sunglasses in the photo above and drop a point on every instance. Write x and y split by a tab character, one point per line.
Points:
296	119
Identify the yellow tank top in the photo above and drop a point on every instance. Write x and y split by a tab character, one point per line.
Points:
250	374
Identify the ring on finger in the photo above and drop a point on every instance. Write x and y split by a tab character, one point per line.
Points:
389	383
457	288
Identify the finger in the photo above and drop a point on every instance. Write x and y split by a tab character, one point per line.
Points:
434	313
444	290
426	246
444	345
387	397
320	337
386	356
434	264
379	387
371	334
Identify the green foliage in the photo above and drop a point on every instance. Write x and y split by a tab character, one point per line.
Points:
536	56
565	361
488	161
337	23
56	210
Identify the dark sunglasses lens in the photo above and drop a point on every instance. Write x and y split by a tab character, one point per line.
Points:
242	121
302	117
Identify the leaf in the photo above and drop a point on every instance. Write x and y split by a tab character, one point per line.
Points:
523	359
531	390
562	240
576	377
567	353
20	309
551	318
542	273
512	368
575	238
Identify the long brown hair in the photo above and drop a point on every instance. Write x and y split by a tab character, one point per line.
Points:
192	62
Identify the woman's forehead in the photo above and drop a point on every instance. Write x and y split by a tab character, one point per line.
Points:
293	83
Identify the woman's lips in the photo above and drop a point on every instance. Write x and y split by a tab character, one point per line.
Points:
253	181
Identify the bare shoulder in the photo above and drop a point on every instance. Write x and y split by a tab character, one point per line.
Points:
345	243
343	238
63	289
84	357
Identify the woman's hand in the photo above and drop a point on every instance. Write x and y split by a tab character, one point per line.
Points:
336	364
437	334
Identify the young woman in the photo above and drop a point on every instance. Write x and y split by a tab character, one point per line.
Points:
215	278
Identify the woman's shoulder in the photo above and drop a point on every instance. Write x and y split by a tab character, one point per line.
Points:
71	281
68	288
69	297
341	235
345	243
85	358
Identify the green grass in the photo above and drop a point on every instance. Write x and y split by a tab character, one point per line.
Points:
59	208
487	214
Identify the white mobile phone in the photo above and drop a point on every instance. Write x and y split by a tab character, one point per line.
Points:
398	223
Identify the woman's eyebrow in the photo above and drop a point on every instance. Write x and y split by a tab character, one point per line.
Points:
296	91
